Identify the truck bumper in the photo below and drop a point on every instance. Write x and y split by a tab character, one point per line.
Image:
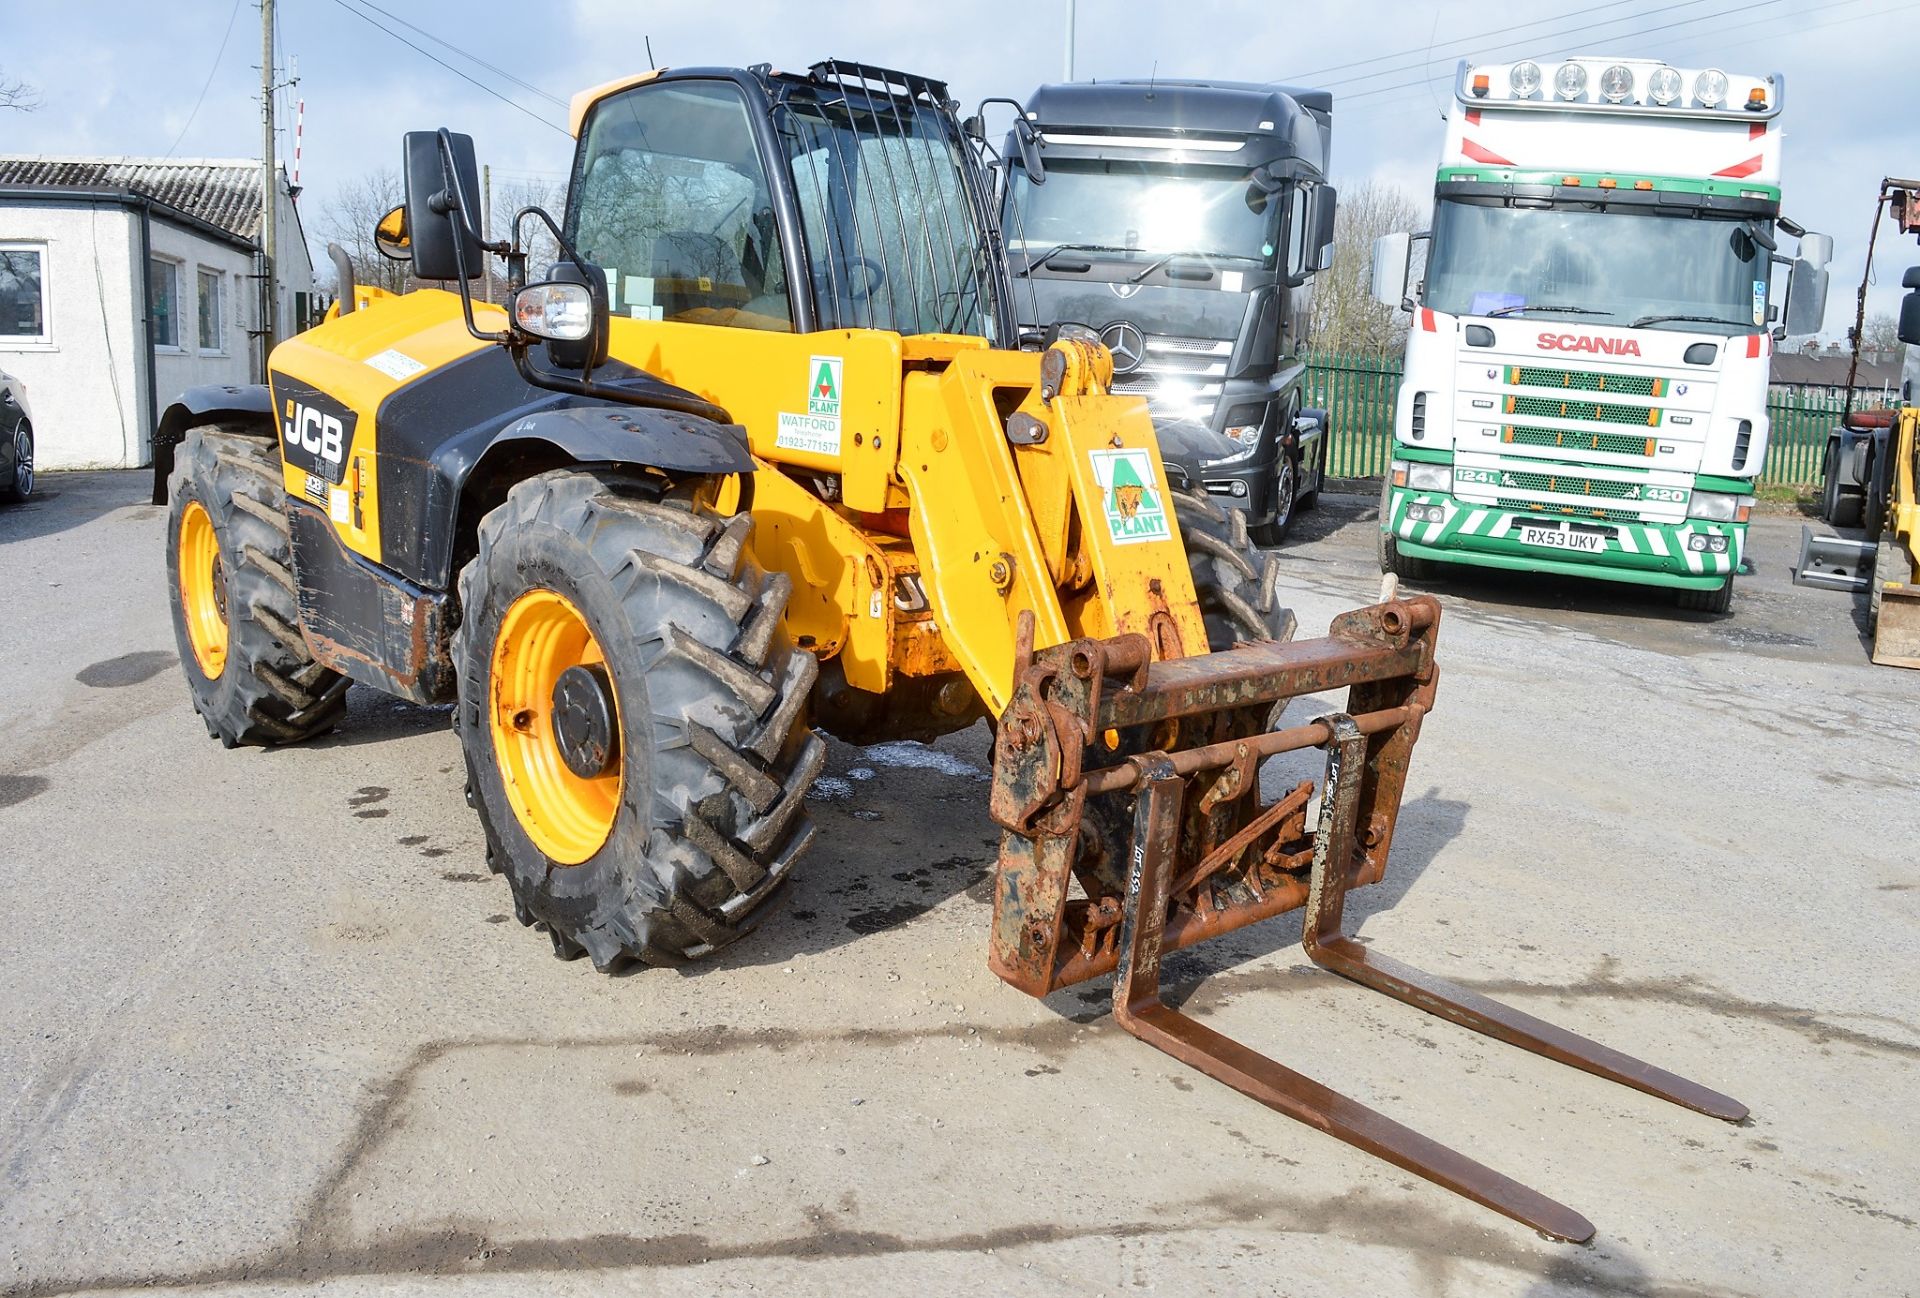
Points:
1642	554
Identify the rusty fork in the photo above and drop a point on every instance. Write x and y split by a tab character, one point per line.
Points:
1384	655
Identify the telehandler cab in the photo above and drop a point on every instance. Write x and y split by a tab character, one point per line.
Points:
762	453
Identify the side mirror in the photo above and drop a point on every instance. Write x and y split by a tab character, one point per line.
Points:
1806	298
1026	141
1326	205
390	236
1391	253
572	312
443	188
975	128
1816	248
1910	310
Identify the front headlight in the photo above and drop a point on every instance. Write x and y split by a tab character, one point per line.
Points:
555	310
1430	477
1719	507
1246	439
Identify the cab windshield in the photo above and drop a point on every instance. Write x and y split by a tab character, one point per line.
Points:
894	237
1140	207
1625	267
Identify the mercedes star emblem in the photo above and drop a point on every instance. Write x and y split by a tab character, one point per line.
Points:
1127	343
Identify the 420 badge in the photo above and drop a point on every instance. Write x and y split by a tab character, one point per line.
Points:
1131	498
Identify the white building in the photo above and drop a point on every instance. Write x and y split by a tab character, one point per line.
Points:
124	281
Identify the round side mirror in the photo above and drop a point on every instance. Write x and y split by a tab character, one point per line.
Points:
391	238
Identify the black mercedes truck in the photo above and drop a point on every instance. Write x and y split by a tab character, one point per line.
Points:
1183	221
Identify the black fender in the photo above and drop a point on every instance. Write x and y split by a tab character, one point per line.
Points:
228	403
474	471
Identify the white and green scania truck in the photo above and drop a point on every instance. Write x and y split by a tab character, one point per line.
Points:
1585	388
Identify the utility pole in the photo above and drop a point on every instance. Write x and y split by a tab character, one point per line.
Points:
269	191
1070	40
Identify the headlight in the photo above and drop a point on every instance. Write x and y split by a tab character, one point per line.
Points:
1524	80
1430	477
1710	87
555	310
1616	83
1664	86
1718	507
1570	82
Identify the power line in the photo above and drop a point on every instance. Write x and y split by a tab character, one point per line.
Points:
1426	53
442	41
371	21
207	84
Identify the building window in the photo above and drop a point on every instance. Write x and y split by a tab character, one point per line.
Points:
23	293
213	311
163	302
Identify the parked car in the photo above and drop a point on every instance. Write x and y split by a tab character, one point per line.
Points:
16	440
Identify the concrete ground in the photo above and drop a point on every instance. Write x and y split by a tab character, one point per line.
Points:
269	1026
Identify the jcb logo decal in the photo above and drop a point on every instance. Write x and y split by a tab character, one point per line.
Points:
315	429
315	432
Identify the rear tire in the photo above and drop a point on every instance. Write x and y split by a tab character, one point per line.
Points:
709	699
1718	600
260	684
1238	587
1886	568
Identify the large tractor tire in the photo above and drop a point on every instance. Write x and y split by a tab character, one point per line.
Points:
633	717
1238	587
236	615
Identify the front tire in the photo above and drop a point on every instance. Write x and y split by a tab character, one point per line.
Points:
1405	566
1238	587
1717	600
21	485
675	842
236	612
1286	497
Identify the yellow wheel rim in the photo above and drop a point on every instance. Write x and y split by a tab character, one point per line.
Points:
567	815
203	590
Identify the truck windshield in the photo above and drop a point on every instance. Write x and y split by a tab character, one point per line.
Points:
1615	267
893	236
1137	206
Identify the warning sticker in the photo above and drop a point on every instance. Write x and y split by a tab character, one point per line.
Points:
1130	495
818	430
395	364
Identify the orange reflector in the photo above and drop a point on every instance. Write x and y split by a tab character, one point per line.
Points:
1643	184
1399	477
1652	445
1570	180
1740	515
1608	182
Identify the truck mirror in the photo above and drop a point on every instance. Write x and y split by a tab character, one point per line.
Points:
390	236
1816	248
1326	204
1390	256
443	187
1806	298
1910	315
975	129
1912	278
1027	141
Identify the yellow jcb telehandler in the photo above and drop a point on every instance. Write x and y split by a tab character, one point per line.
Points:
763	452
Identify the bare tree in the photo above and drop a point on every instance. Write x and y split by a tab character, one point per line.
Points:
17	94
512	195
1345	317
1880	335
349	219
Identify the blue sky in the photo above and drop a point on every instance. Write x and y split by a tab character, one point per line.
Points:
120	77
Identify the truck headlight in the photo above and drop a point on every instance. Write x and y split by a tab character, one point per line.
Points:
1709	88
1719	507
1570	81
1663	86
1430	477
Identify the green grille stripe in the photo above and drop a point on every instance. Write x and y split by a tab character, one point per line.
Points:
1631	385
1594	411
1568	439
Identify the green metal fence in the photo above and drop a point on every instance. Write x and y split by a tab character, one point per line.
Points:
1358	394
